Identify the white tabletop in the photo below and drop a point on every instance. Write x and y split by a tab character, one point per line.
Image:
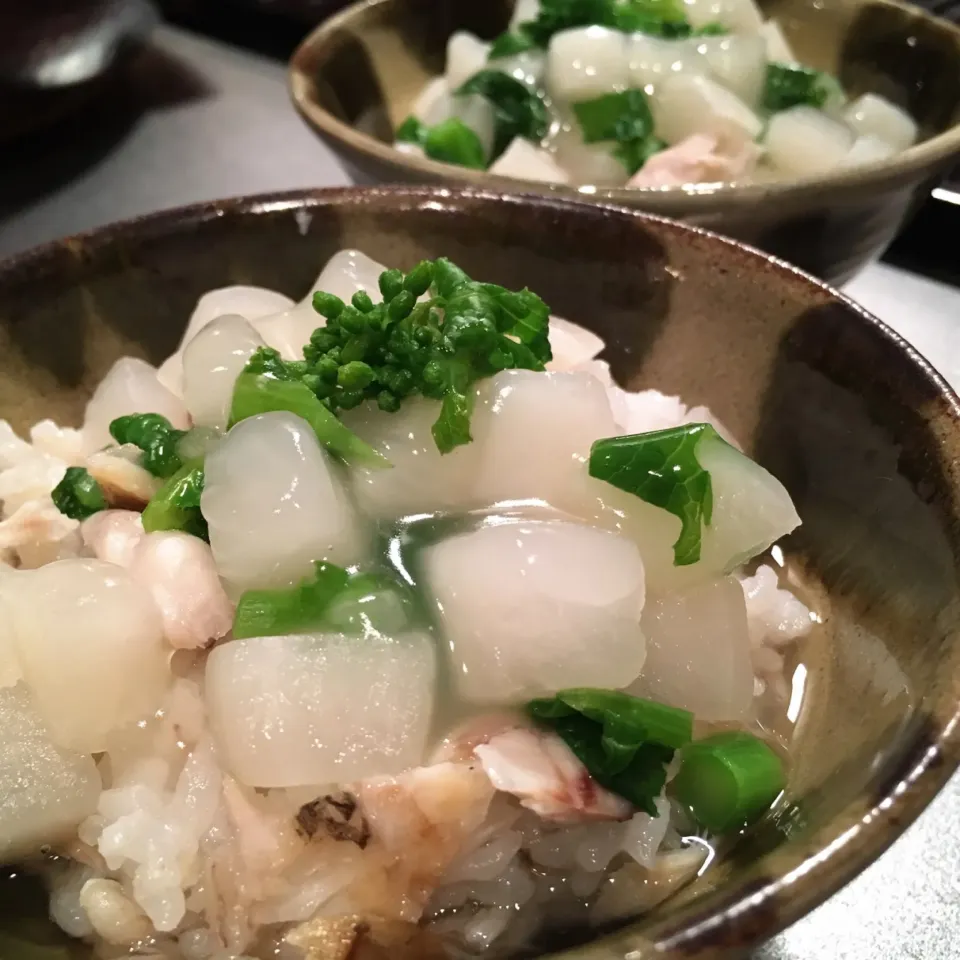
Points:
204	120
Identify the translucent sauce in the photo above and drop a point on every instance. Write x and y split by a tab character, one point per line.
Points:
568	913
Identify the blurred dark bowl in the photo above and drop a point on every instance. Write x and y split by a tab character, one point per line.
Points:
58	55
362	70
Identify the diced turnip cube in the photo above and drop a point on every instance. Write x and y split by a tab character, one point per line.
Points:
653	59
212	361
46	791
803	142
250	303
321	708
868	149
421	479
526	161
466	55
587	163
740	16
571	344
877	116
90	646
686	104
586	62
432	106
739	62
275	503
130	386
530	608
535	431
778	49
698	651
524	10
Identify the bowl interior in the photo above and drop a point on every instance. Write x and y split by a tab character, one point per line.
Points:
860	430
368	65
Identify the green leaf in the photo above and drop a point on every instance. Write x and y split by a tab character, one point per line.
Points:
625	119
788	86
510	44
301	609
452	427
662	468
331	600
371	601
518	110
712	29
78	495
454	142
624	742
176	505
256	393
155	436
615	116
411	131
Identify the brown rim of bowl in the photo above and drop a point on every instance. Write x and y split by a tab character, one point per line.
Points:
921	157
843	850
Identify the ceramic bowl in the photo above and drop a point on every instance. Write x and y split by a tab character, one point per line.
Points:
366	65
860	429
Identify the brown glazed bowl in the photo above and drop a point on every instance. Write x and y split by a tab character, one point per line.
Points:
366	65
860	429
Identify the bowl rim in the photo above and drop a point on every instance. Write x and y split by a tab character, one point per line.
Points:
914	161
856	836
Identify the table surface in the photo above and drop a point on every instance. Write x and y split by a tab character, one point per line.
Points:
201	120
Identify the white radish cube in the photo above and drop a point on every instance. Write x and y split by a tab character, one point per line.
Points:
698	652
686	104
90	645
739	16
877	116
653	59
587	163
478	114
275	503
466	55
531	608
421	480
571	344
45	791
346	272
751	508
523	11
212	361
432	106
803	142
586	62
247	302
130	386
868	149
778	49
321	708
526	161
251	303
535	432
739	62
